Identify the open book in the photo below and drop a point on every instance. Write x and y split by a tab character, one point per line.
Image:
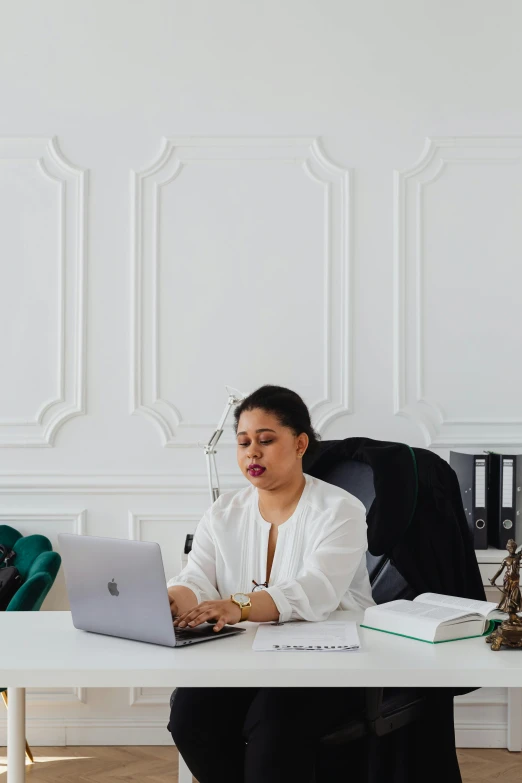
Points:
434	618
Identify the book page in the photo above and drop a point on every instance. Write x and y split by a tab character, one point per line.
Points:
300	635
416	611
428	622
464	604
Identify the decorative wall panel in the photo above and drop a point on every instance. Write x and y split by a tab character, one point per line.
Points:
42	329
241	276
457	264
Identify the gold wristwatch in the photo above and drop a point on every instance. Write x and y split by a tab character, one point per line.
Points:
243	601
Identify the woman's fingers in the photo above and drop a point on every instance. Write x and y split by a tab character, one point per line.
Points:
191	613
195	617
181	618
201	618
220	623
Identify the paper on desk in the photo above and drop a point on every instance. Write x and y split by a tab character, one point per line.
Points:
300	635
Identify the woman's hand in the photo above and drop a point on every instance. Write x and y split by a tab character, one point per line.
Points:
172	599
224	611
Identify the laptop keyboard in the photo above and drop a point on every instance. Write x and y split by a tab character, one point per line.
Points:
184	633
201	630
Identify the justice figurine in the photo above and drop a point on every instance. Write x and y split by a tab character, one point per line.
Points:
509	632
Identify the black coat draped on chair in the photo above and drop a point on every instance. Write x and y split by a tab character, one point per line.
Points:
416	525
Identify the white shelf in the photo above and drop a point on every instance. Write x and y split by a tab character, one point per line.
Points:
491	555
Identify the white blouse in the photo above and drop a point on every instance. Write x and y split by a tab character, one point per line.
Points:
319	561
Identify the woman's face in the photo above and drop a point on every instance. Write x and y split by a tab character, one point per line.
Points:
262	441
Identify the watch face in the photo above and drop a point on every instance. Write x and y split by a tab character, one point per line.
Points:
242	598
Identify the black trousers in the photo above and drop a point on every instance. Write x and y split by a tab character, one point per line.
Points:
258	735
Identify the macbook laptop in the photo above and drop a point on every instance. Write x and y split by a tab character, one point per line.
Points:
117	587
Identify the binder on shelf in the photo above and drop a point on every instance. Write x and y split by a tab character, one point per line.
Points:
503	494
471	470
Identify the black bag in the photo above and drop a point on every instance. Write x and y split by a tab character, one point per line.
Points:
10	579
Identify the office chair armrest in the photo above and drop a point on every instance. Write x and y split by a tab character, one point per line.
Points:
387	713
187	549
384	713
373	703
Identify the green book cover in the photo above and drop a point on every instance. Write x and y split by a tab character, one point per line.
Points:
491	627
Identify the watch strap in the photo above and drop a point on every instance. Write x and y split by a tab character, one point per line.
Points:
245	608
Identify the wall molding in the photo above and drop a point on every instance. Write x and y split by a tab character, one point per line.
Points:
174	156
30	516
14	483
149	731
138	697
54	696
92	731
480	735
410	399
71	181
137	518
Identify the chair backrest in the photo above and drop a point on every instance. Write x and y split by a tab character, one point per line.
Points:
357	478
38	566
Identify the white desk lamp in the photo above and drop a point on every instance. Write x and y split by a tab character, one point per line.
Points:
234	398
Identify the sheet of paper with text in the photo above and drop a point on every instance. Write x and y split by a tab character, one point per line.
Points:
326	636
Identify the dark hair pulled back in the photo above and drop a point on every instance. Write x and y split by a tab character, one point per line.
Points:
286	405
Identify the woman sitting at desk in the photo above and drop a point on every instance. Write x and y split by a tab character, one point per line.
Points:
287	547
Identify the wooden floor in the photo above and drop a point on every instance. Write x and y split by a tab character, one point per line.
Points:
485	764
158	764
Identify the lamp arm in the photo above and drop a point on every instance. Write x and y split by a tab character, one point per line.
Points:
210	452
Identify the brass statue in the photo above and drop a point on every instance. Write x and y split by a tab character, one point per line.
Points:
509	632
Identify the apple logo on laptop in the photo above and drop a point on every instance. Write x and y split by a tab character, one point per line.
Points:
113	588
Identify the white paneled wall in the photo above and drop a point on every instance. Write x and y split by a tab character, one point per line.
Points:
235	187
325	196
42	200
458	236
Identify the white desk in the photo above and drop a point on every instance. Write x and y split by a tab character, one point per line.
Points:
50	652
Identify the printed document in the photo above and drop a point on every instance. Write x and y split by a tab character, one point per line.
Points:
300	635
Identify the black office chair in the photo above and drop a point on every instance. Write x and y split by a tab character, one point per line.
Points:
387	709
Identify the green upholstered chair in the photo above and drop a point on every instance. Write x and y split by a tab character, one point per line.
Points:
38	566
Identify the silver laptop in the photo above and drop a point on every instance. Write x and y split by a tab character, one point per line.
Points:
117	587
